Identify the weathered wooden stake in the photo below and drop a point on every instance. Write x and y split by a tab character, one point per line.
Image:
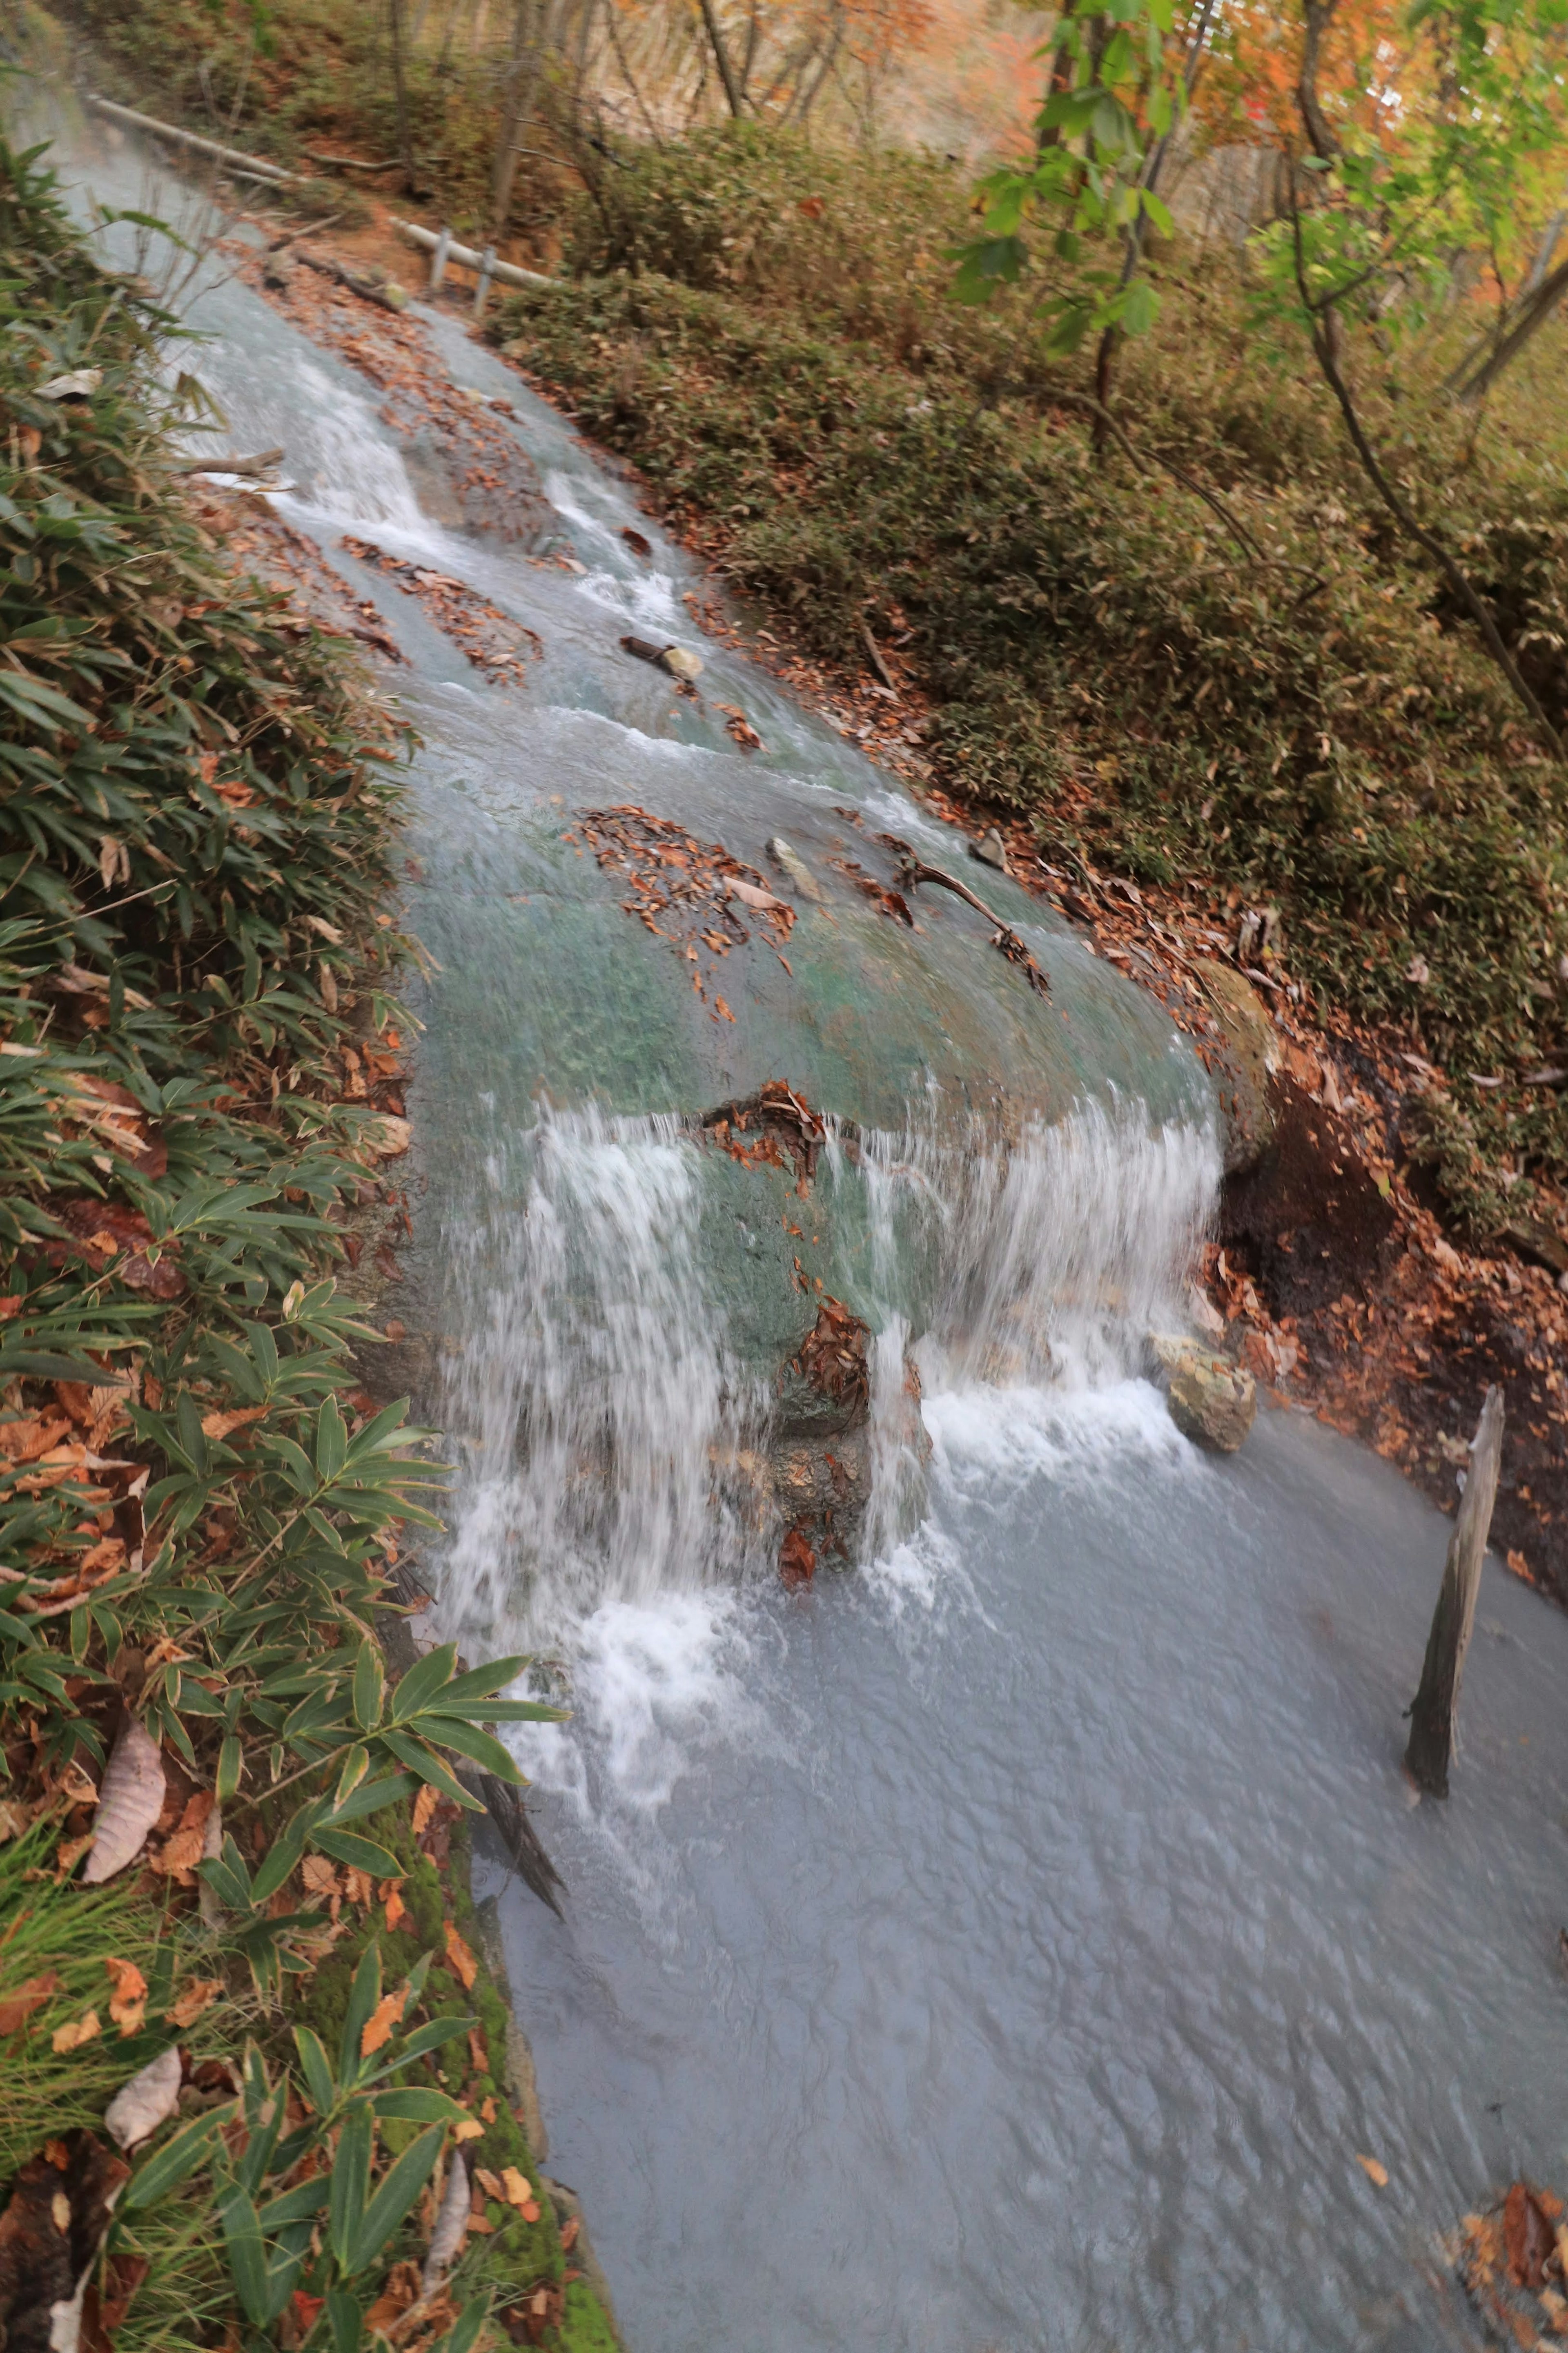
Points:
1436	1706
439	258
487	271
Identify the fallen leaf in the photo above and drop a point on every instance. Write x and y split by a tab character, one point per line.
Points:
516	2188
569	2235
79	385
386	1137
396	1909
378	2027
128	2003
219	1425
192	2002
15	2009
1375	2173
461	1959
469	2129
79	2031
401	2291
425	1805
129	1804
140	2106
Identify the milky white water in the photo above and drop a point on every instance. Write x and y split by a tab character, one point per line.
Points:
1011	1942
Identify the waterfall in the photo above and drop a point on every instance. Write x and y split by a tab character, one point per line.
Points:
604	1422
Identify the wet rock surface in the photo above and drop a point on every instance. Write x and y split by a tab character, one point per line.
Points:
1210	1401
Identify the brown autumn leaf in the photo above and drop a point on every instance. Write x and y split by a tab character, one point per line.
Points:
178	1856
378	2027
79	2030
15	2009
401	2291
392	1898
424	1807
358	1886
220	1425
469	2129
192	2002
1375	2173
569	2235
130	1803
461	1959
490	2183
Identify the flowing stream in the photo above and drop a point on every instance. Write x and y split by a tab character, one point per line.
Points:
1013	1939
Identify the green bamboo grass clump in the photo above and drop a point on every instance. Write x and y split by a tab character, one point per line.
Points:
199	815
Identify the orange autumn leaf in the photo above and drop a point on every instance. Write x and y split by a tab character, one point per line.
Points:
461	1959
378	2027
192	2002
1375	2173
425	1805
128	2002
396	1909
72	2037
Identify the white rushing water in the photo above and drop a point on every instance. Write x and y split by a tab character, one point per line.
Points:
1013	1942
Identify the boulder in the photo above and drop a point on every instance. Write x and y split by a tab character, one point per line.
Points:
1210	1401
1249	1057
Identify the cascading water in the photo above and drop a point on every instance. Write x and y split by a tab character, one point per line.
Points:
1013	1942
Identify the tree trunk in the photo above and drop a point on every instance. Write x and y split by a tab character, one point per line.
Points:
1436	1706
721	56
1325	145
400	93
1534	311
528	34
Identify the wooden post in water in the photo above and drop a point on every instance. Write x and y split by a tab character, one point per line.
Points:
1436	1706
439	258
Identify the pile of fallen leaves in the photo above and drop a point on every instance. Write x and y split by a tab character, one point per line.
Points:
1512	2262
498	647
486	476
690	892
832	1357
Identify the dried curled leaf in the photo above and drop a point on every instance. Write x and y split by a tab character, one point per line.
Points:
128	2002
140	2106
192	2002
129	1804
79	2031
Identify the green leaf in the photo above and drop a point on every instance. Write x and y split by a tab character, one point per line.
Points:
360	1853
395	2197
247	2255
178	2158
416	2105
469	1740
350	2183
345	2319
230	1767
331	1440
317	2068
428	1767
363	1995
369	1686
423	1680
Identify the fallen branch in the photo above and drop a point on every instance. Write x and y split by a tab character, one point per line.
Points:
913	869
262	463
370	287
255	164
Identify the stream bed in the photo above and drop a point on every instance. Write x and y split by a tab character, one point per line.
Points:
1015	1940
